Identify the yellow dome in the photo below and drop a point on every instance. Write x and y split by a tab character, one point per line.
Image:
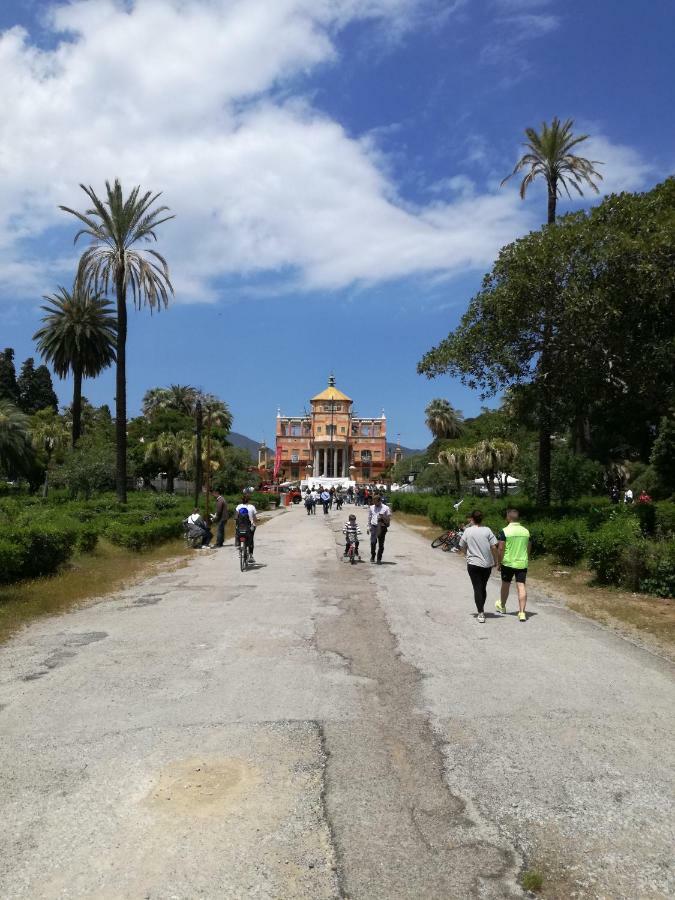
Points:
332	393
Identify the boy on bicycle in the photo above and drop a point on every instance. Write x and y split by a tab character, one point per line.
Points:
351	532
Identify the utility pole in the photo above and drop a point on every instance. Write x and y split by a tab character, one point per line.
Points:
198	451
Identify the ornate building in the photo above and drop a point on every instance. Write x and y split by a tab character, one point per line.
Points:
331	442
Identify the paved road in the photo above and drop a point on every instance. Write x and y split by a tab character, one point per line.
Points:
315	730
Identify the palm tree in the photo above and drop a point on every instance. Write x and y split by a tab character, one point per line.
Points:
549	156
443	420
455	460
48	433
16	451
78	336
180	397
490	459
116	226
167	451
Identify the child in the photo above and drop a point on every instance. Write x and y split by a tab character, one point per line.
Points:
351	532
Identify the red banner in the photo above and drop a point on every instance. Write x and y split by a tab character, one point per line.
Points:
277	460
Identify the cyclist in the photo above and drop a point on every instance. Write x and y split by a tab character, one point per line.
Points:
351	532
247	520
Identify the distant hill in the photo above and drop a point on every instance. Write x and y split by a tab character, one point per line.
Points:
406	450
245	443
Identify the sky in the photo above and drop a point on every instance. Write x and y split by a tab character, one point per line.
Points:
334	169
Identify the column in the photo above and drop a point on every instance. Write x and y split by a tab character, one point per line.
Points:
315	470
335	468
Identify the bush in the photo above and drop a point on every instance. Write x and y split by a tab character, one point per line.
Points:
140	537
48	548
566	541
664	514
659	577
12	561
608	546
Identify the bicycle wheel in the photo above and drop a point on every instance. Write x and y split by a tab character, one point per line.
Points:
441	539
243	554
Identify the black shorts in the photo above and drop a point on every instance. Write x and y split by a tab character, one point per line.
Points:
508	573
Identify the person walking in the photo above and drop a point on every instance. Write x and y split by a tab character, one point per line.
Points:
379	520
514	546
220	517
325	500
480	548
315	500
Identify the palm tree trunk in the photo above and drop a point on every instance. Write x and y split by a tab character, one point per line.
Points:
121	388
458	483
77	404
170	478
552	202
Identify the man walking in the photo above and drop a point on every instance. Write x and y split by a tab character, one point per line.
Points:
379	519
325	500
220	517
513	548
480	546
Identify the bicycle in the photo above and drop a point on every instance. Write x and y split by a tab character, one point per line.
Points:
449	541
352	553
243	551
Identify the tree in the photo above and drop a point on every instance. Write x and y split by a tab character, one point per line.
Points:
49	434
167	453
607	279
492	460
36	390
233	471
78	336
663	455
116	226
549	156
443	420
179	397
16	451
455	460
9	389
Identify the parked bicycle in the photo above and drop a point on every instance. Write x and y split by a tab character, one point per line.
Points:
448	541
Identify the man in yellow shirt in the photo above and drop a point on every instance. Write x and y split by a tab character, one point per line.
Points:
513	549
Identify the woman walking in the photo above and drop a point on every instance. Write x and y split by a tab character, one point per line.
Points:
480	547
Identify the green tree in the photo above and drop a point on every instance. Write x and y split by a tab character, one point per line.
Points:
78	335
492	461
178	397
116	226
9	390
608	280
233	471
16	450
167	454
456	461
36	390
443	420
49	434
549	156
663	455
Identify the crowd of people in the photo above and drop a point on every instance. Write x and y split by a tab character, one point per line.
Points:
379	514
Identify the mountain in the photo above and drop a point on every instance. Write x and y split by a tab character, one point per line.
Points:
406	450
245	443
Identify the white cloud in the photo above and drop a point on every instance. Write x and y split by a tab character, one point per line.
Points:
200	100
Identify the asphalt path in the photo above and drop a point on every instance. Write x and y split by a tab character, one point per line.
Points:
312	729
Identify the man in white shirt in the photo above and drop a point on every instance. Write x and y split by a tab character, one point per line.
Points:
198	529
379	519
250	516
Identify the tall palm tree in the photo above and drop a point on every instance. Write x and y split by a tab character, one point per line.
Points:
455	460
443	420
16	451
179	397
549	156
78	335
116	226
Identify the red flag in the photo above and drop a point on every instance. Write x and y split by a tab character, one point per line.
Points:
277	460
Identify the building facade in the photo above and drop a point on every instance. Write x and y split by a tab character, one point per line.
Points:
331	441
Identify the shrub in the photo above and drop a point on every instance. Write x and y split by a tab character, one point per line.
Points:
607	545
13	559
659	577
140	537
665	518
48	548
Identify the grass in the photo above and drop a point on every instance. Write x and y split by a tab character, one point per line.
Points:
532	880
638	614
107	569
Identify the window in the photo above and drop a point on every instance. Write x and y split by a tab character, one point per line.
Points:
295	472
376	430
366	455
295	430
365	472
376	452
342	430
318	429
283	429
355	428
365	430
294	456
331	429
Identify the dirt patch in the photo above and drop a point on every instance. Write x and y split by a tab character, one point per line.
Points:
202	787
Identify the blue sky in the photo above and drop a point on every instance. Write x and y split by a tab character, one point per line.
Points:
333	165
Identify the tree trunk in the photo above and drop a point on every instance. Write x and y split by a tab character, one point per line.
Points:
544	473
458	482
552	202
121	386
198	452
77	404
170	478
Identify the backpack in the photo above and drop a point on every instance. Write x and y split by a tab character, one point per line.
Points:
243	521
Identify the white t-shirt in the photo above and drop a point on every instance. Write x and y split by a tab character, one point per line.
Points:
477	541
252	512
374	512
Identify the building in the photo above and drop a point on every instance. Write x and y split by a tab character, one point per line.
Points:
331	442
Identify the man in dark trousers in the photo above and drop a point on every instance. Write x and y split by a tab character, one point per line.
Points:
220	517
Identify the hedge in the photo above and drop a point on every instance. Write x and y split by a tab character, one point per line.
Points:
140	537
35	551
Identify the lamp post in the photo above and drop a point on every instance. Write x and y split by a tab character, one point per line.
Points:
198	451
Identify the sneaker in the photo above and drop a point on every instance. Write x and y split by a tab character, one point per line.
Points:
372	559
251	560
481	617
522	617
501	609
379	562
345	555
